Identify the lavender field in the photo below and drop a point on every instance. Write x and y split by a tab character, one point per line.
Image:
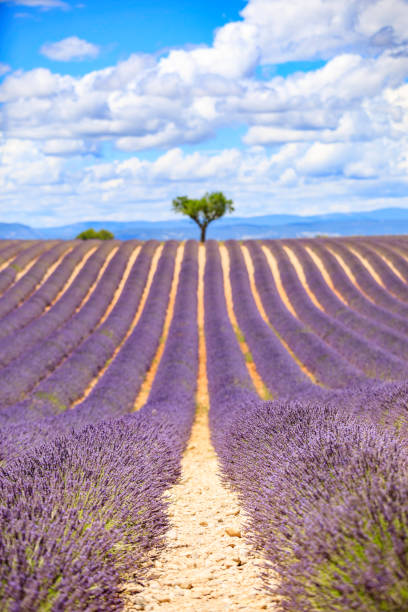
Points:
297	350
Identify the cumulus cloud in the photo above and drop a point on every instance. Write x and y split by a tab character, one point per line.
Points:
290	31
71	48
342	127
300	177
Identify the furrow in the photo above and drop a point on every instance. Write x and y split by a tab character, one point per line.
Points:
257	381
134	322
151	372
363	354
46	295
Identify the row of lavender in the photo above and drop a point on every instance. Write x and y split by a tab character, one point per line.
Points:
320	473
71	378
365	355
71	535
54	349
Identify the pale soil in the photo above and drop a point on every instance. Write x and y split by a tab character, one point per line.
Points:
390	265
151	373
258	301
71	278
26	269
122	282
47	274
19	273
253	372
349	272
7	263
318	262
53	267
206	566
273	264
367	265
135	321
98	278
299	271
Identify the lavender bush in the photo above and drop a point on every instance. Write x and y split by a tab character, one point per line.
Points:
25	286
69	381
321	472
355	298
21	375
390	251
10	248
87	535
15	344
390	280
42	297
23	258
325	363
395	343
82	513
378	294
363	354
275	365
327	498
323	481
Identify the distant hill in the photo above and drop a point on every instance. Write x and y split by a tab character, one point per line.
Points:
382	221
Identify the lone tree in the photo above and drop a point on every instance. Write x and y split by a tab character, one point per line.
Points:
210	207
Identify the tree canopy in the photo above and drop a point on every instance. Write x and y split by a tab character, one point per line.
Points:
203	211
91	234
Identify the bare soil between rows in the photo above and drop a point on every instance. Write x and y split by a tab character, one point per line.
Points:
207	565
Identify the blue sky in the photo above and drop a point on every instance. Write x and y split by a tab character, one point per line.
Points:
119	28
111	109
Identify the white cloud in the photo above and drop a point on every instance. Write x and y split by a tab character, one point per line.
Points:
43	4
262	135
292	31
323	159
24	165
235	54
34	84
68	147
332	136
71	48
299	178
4	68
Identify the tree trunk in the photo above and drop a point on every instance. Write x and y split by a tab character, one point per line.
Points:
203	230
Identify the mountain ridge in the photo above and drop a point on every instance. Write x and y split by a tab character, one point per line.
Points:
379	221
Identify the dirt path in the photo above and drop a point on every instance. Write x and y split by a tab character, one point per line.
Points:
206	567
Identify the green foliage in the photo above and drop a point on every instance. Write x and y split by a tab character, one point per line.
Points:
248	357
91	234
203	211
53	398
